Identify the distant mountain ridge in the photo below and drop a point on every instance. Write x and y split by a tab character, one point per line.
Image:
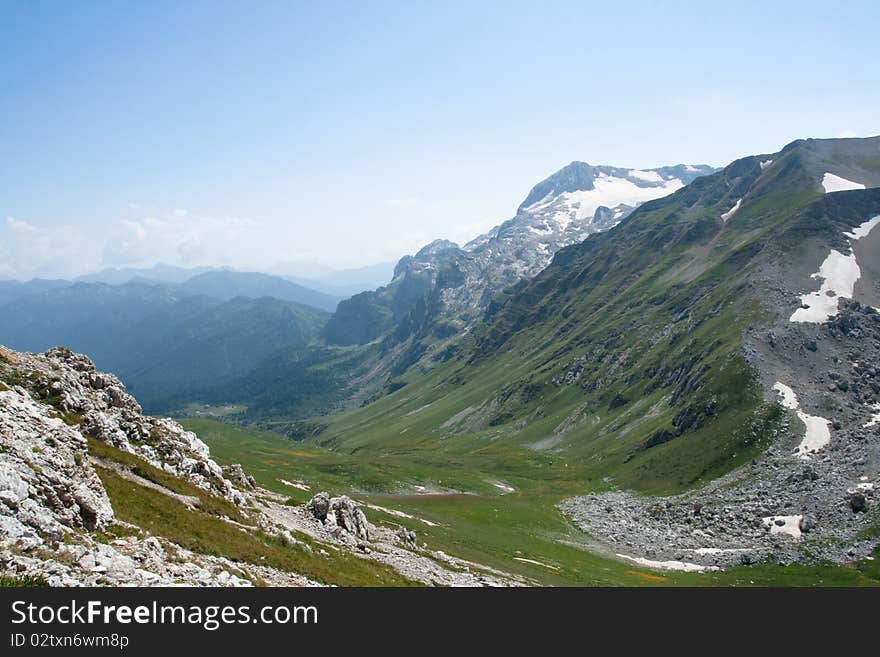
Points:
220	283
161	339
160	272
227	285
12	290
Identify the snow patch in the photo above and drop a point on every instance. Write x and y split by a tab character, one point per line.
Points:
791	525
537	563
789	398
647	176
864	229
727	215
840	273
817	436
295	484
765	164
398	514
608	191
833	183
875	419
505	487
681	566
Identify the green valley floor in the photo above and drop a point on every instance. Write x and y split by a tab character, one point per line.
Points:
495	504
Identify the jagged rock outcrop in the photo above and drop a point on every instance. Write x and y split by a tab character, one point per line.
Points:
236	474
52	502
47	486
99	403
406	536
340	515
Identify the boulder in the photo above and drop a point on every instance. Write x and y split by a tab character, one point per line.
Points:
857	502
319	506
807	523
406	536
236	474
349	517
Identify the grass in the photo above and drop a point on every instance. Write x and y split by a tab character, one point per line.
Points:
208	503
487	527
22	581
202	531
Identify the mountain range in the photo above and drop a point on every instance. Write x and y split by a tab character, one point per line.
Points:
566	208
646	376
316	363
163	339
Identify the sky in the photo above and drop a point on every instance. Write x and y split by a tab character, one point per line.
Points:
348	133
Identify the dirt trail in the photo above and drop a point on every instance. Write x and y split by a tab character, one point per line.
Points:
189	501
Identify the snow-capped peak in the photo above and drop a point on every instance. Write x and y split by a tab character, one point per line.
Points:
581	199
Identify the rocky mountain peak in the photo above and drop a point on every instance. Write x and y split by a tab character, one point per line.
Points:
567	207
570	178
434	248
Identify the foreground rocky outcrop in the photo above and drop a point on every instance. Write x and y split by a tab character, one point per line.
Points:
58	525
54	509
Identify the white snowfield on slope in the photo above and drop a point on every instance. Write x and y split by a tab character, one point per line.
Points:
727	215
833	183
608	191
839	274
817	435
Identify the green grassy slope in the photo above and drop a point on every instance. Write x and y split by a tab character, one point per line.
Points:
205	530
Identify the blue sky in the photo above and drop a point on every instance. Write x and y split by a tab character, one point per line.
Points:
354	132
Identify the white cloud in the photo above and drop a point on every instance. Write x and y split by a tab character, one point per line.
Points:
393	248
20	227
464	233
28	250
180	238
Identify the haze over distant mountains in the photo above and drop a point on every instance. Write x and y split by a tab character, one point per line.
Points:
338	283
160	272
